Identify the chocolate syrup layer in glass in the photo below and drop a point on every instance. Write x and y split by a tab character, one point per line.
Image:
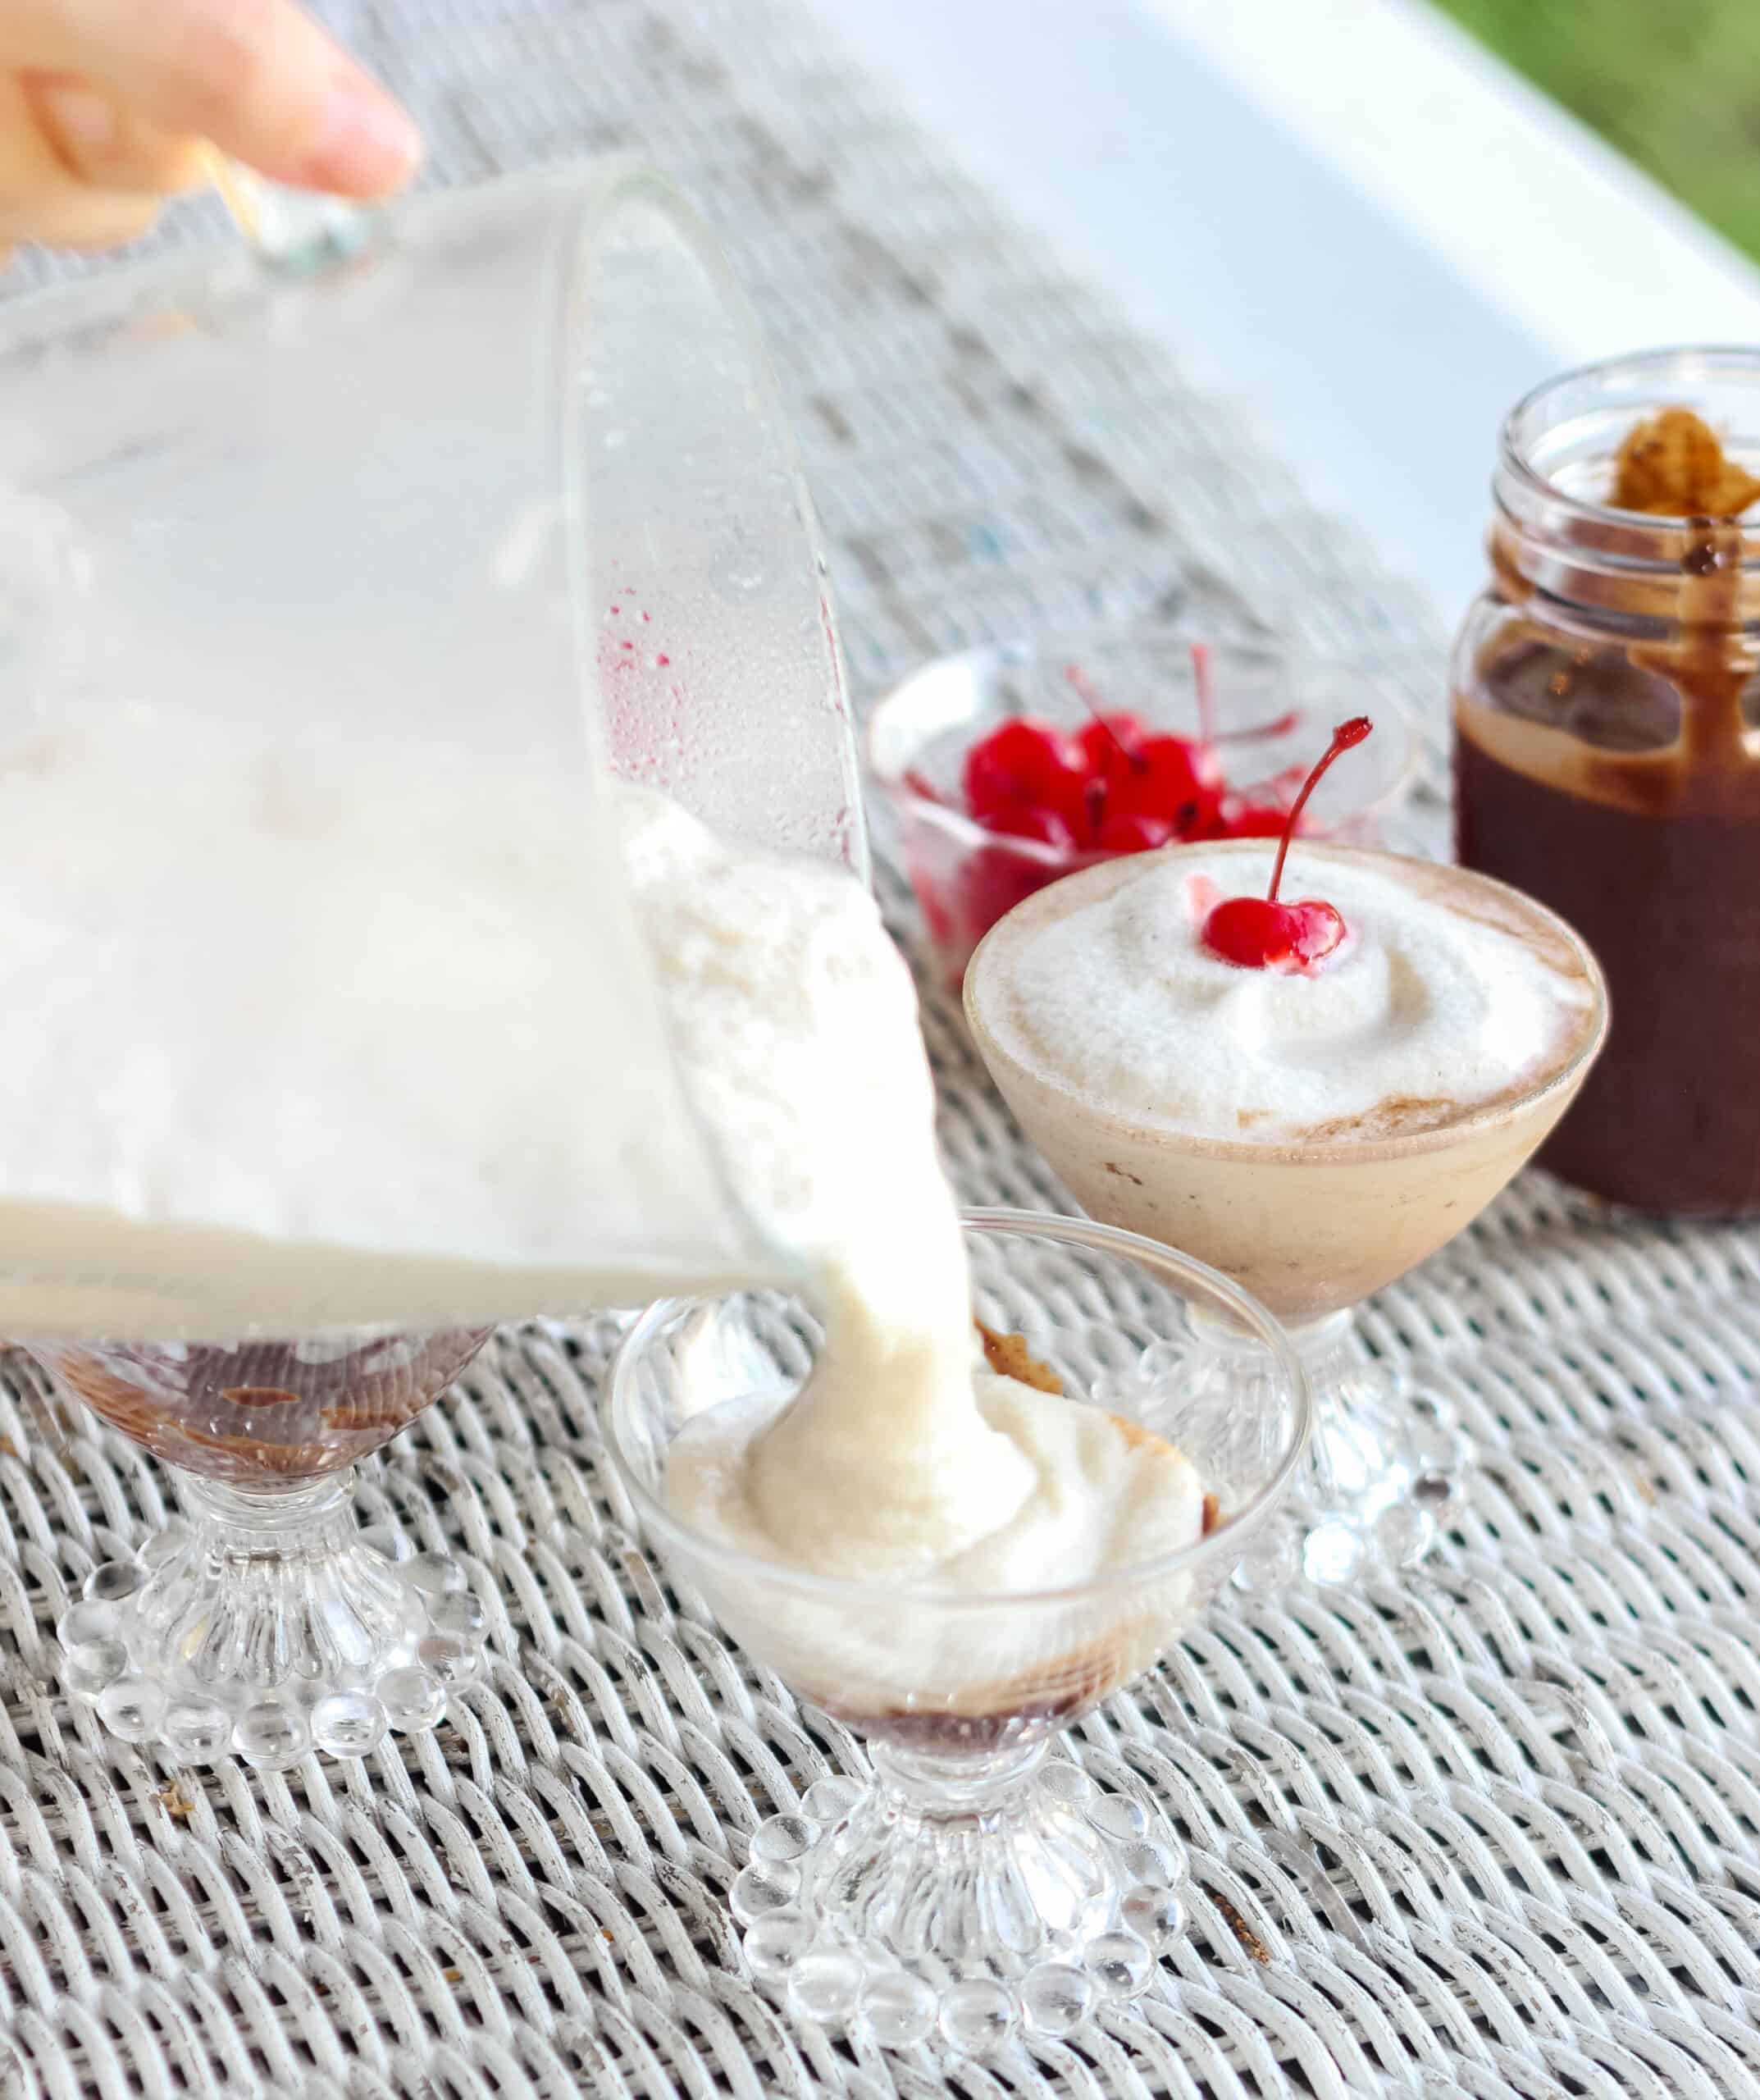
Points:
1607	753
260	1412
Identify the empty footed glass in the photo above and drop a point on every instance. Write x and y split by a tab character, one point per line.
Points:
974	1885
264	1623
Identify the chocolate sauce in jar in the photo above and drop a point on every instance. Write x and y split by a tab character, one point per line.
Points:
1607	762
1669	1120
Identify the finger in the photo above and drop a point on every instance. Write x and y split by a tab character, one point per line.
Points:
107	218
258	77
104	143
76	217
41	200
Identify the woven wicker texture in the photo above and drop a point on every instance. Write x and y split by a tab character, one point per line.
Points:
1491	1829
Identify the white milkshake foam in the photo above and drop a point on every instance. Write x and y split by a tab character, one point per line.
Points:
1429	1009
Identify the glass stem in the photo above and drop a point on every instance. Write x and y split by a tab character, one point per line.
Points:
1346	1455
1357	1405
979	1786
305	1516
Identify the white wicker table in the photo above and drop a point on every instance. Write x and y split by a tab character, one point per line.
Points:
1492	1829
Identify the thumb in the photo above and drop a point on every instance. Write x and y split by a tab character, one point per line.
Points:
258	77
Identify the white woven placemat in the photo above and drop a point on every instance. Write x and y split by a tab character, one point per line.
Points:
1490	1829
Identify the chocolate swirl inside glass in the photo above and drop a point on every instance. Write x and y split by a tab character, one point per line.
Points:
259	1411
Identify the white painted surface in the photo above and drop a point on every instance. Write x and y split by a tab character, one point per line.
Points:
1342	211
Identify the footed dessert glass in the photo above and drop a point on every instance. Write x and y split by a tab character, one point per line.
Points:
1312	1226
973	1884
265	1623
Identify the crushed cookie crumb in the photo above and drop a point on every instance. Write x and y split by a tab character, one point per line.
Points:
1241	1929
1009	1356
175	1801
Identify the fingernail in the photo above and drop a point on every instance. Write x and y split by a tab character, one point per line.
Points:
366	145
85	119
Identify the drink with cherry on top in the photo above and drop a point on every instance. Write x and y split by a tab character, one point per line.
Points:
1008	768
1312	1096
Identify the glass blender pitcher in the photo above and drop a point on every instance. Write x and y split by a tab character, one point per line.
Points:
336	592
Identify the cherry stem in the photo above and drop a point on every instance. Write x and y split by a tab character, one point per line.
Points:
1085	692
1347	734
1207	699
1280	726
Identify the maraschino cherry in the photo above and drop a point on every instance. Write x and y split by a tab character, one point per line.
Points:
1259	933
1024	765
1144	788
1116	785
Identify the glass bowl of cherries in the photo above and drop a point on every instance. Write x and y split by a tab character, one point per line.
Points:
1005	768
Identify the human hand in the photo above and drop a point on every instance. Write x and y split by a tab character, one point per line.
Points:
105	106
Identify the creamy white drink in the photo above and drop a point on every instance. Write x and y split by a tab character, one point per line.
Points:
795	1018
312	1036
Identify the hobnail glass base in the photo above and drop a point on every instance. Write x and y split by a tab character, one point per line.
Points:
1383	1464
266	1626
959	1900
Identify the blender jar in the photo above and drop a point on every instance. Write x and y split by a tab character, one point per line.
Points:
425	543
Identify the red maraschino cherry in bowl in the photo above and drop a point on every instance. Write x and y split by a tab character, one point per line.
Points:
1005	768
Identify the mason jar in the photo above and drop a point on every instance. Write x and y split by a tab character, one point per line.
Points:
1607	761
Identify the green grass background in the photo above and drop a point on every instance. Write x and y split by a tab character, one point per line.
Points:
1675	84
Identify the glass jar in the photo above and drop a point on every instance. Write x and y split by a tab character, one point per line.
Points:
1607	762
